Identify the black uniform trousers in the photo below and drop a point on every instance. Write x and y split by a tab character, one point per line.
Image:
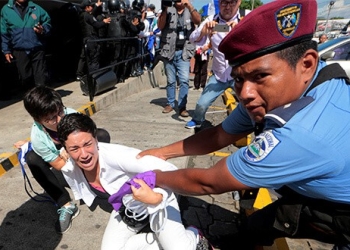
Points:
293	216
89	61
31	66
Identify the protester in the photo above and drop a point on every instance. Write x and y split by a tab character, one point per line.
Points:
90	26
176	24
322	38
201	59
45	105
221	78
149	35
98	169
300	110
24	29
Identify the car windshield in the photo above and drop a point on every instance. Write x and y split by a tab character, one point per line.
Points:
329	43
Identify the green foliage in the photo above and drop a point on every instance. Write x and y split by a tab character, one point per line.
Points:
200	11
247	4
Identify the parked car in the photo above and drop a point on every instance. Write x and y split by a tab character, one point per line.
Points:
336	51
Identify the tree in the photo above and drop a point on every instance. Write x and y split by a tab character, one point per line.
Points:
247	4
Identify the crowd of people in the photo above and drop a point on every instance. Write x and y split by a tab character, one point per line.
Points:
132	30
297	107
26	29
129	31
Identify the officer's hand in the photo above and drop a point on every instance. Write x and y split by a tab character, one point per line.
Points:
107	20
8	57
157	152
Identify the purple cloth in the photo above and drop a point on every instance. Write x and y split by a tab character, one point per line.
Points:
116	200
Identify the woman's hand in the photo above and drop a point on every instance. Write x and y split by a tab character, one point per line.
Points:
19	144
64	155
145	194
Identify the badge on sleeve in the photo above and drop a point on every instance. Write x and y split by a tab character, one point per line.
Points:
261	146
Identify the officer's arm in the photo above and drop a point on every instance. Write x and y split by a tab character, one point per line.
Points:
204	142
200	181
96	24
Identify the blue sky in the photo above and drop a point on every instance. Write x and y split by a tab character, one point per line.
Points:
341	8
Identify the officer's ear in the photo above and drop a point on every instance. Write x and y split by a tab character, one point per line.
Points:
309	64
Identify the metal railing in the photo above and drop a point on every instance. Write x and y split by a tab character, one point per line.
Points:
123	61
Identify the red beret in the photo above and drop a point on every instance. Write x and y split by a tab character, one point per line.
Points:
269	28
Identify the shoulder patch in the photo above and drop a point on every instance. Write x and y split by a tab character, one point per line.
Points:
261	146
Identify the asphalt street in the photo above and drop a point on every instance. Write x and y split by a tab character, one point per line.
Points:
131	112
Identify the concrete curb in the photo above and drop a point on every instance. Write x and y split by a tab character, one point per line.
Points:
148	80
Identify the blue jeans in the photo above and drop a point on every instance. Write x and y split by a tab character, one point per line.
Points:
341	247
180	68
212	90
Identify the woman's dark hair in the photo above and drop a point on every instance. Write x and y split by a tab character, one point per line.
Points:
42	101
75	122
294	53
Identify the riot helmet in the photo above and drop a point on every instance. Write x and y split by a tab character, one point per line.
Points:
113	5
123	5
138	4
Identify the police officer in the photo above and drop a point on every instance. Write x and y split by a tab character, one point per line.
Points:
117	30
302	107
89	26
134	26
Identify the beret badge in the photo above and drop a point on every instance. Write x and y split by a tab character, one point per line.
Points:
287	19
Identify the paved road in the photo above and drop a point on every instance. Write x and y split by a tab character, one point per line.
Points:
134	120
133	117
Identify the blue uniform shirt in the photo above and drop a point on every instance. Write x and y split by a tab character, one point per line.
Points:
310	153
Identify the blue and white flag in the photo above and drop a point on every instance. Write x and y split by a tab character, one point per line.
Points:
211	8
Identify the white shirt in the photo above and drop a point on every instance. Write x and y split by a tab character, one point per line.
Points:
118	164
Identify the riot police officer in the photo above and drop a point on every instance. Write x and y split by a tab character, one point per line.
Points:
134	26
90	26
116	29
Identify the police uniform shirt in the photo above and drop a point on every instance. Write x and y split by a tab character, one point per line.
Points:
310	153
